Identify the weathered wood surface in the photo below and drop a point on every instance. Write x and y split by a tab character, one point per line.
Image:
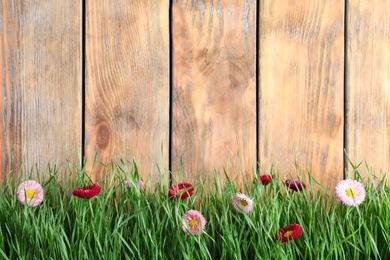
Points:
301	91
301	87
214	97
368	84
40	99
127	94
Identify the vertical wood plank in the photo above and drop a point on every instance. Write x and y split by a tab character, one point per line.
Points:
40	84
214	97
127	94
301	87
368	84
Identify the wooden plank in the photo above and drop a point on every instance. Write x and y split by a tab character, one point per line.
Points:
40	84
127	94
301	87
368	84
214	100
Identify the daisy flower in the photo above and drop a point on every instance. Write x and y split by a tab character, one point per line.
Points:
242	203
193	222
290	232
265	178
295	185
181	191
88	191
129	183
350	192
30	193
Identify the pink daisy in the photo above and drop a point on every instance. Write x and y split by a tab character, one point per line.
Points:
193	222
350	192
242	203
129	183
30	193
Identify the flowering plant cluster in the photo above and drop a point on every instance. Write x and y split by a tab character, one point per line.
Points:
244	207
194	222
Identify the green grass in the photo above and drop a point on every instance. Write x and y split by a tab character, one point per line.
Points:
137	223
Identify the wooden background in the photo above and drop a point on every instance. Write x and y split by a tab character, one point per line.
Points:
196	85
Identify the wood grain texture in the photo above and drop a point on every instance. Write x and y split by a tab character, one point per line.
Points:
368	84
214	97
40	84
127	94
301	87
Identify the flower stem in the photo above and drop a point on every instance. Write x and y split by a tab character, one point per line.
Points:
90	207
210	237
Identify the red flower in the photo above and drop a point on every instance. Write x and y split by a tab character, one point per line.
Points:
88	191
290	232
265	178
181	191
295	185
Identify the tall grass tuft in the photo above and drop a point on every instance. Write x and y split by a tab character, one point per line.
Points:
144	223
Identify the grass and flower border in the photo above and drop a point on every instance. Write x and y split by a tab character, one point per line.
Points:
133	221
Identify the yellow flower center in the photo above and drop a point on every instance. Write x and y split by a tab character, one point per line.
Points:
193	222
350	192
86	191
30	193
288	234
243	203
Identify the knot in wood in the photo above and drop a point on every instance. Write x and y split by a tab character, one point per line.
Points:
102	136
